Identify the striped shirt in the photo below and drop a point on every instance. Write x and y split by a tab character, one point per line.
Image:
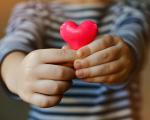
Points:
35	25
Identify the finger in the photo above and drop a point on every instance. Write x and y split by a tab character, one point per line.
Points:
44	101
68	64
55	55
97	45
100	70
116	78
51	87
100	57
54	72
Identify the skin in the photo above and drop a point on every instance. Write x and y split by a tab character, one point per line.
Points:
39	77
108	60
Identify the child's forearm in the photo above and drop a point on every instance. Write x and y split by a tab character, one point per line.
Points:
10	69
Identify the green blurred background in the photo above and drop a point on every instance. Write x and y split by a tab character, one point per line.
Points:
16	110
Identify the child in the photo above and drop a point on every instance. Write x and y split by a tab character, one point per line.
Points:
104	89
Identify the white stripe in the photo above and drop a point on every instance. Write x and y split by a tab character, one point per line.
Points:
53	34
111	115
82	14
109	18
57	18
28	25
54	25
125	30
25	35
16	38
85	6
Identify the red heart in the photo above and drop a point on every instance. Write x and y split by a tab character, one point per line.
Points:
78	36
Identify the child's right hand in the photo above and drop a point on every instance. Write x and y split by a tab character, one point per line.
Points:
42	80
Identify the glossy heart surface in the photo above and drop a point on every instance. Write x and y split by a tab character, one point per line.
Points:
78	36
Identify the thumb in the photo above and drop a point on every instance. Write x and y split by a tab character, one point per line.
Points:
66	47
67	64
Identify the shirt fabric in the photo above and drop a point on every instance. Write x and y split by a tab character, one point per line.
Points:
35	25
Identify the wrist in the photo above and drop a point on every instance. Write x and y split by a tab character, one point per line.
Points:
11	85
10	79
10	70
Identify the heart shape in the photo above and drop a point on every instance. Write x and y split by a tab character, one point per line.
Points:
78	36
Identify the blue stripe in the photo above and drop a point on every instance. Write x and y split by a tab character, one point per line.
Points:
116	118
80	114
132	20
93	93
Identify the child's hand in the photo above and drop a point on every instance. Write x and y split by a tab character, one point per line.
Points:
108	60
42	81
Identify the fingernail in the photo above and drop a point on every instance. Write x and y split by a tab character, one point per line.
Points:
79	74
83	52
77	64
79	54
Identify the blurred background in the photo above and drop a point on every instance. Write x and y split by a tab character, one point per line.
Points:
16	110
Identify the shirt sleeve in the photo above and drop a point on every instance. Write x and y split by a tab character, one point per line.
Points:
132	26
24	33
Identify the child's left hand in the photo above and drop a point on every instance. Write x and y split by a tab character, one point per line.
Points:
107	60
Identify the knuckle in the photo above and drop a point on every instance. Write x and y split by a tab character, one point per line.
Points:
43	103
111	79
126	48
56	88
61	88
86	73
101	69
25	96
29	85
105	56
107	40
115	54
89	80
61	73
85	51
93	80
86	63
54	101
34	55
102	79
114	67
62	52
105	69
128	62
67	86
118	39
28	71
40	101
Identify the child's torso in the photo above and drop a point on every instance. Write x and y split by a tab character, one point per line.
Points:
84	101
